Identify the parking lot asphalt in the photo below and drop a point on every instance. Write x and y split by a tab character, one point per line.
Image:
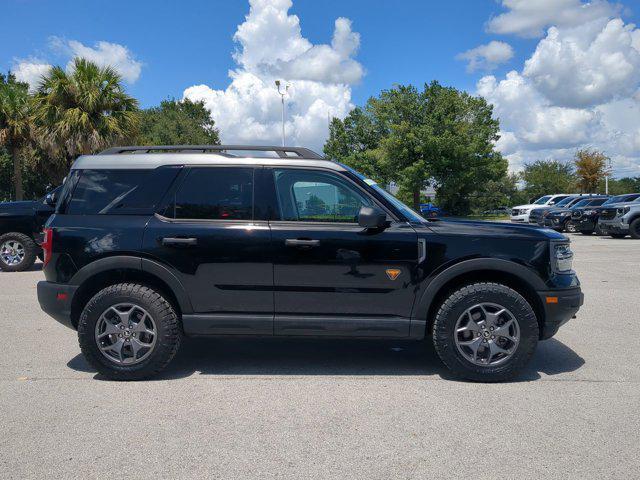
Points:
250	408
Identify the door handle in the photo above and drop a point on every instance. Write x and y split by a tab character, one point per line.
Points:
179	242
301	243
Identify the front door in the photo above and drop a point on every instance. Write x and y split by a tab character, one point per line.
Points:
208	235
332	277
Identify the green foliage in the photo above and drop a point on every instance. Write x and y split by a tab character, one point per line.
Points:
178	123
545	177
493	194
82	112
438	136
15	124
621	186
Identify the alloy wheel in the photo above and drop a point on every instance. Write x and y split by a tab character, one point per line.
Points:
12	252
126	334
487	334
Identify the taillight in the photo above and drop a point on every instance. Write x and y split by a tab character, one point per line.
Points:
47	244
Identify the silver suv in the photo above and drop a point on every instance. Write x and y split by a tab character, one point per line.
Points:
620	220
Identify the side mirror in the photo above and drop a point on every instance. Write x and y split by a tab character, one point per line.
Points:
51	199
371	217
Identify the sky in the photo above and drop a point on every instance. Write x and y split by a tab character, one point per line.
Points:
561	74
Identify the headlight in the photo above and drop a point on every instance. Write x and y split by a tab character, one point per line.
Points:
590	212
623	211
561	257
566	214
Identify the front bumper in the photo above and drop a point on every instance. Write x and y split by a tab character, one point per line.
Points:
615	225
555	222
585	224
55	300
560	306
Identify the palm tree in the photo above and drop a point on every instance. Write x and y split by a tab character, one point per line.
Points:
83	111
15	124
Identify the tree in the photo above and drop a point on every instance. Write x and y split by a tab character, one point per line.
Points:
15	124
82	111
438	136
544	177
591	168
178	123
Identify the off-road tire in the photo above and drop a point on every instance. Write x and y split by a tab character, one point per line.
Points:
570	227
30	252
169	331
466	297
634	229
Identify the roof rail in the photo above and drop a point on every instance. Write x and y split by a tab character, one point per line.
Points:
282	152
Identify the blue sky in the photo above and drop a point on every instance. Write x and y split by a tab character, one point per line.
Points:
187	42
178	45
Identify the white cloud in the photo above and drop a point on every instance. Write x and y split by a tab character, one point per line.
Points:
103	54
487	57
30	71
271	47
580	88
530	18
581	67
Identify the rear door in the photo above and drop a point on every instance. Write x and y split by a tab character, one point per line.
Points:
332	277
208	234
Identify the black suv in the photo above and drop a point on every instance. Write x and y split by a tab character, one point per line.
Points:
20	231
559	219
152	243
586	219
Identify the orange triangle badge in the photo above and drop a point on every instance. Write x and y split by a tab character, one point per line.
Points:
393	273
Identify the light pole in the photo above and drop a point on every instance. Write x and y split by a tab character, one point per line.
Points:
282	94
606	177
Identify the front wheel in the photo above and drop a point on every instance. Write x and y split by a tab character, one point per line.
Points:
570	227
485	332
634	229
17	252
129	332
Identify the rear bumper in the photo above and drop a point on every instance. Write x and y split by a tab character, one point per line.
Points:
560	306
55	300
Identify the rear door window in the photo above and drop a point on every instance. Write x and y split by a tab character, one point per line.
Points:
119	192
214	193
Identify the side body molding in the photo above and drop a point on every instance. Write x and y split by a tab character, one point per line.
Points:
125	262
421	309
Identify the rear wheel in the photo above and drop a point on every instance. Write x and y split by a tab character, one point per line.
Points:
129	332
634	228
17	252
485	332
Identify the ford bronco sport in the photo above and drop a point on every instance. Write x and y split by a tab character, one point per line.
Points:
152	243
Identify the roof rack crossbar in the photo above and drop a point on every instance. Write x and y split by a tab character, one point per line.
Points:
222	149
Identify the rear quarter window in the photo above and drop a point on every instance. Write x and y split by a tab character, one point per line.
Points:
119	192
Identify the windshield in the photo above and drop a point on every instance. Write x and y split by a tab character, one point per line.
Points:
582	203
565	201
405	210
621	198
543	200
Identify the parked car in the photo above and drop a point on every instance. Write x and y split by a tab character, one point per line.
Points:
536	215
146	248
560	219
498	211
430	210
621	219
20	229
520	214
586	220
